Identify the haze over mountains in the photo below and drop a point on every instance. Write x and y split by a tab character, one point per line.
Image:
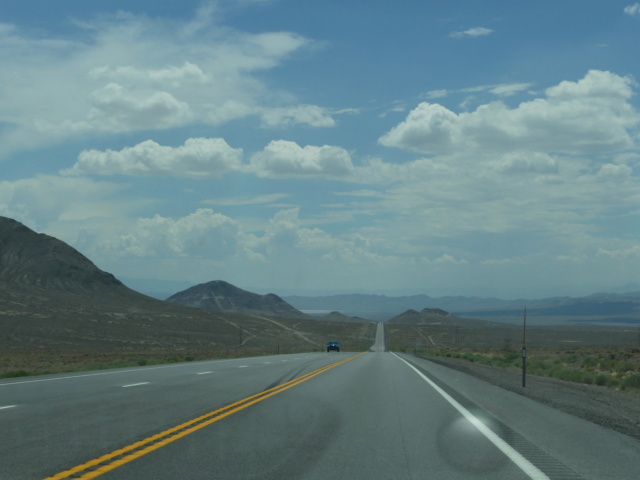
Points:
426	315
620	308
33	260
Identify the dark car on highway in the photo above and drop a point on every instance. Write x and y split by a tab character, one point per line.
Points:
333	346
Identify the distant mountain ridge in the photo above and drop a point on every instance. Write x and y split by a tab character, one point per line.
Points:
382	307
339	317
425	316
221	296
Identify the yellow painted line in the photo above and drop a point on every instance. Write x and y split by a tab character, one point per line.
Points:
95	468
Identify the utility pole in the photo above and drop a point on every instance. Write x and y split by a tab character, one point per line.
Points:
524	349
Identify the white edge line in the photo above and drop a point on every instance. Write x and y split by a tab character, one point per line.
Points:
516	457
135	384
7	406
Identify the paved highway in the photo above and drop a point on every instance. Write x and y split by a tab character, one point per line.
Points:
375	415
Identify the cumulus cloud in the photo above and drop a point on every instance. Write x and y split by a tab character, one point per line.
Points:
305	114
203	233
447	259
472	33
590	116
632	252
527	162
197	158
123	73
632	10
40	200
611	170
115	109
283	158
286	237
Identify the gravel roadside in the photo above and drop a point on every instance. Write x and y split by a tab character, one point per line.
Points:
619	411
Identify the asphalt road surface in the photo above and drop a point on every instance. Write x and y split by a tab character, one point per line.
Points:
373	415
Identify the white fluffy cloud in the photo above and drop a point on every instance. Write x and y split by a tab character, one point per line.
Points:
45	199
633	9
203	233
125	73
472	32
282	158
115	110
527	162
590	116
611	170
197	158
307	114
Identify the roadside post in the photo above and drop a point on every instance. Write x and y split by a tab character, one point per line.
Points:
524	349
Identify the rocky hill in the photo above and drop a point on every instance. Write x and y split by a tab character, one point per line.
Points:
31	259
339	317
425	316
221	296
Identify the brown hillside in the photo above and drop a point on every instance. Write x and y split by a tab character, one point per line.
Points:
59	311
426	316
38	260
221	296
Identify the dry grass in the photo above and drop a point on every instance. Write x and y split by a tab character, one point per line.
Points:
45	332
611	367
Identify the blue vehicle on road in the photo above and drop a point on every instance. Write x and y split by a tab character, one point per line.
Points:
333	346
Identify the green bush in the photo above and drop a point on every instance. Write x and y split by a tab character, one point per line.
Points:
510	357
602	379
613	382
14	374
627	366
631	382
539	367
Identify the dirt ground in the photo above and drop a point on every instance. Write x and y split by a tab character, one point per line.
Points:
619	411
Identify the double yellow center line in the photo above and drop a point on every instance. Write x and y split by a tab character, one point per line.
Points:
117	458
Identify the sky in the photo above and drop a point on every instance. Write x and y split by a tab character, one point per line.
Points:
416	146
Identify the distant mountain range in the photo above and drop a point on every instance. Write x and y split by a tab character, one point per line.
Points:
624	308
30	260
54	301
